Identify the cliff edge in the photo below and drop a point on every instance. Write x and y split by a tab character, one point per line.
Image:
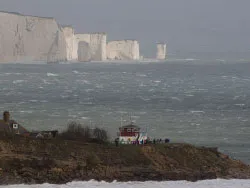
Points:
57	161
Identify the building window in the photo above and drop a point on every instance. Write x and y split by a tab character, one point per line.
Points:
129	130
15	126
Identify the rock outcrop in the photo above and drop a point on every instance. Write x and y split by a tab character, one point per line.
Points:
91	47
60	161
29	38
123	50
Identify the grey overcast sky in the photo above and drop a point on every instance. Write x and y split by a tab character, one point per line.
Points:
202	26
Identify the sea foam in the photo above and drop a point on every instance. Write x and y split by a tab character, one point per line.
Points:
170	184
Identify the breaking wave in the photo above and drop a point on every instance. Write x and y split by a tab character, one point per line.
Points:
170	184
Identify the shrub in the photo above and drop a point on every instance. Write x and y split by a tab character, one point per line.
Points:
76	131
100	134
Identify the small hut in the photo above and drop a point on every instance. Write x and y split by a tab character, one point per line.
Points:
10	126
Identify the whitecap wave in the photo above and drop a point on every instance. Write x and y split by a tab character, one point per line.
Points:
26	111
157	81
89	90
169	110
186	59
189	95
46	82
75	72
190	59
197	111
83	81
241	105
220	60
142	85
18	81
51	74
142	113
141	75
176	98
33	101
13	73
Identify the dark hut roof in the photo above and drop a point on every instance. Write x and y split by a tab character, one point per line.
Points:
4	127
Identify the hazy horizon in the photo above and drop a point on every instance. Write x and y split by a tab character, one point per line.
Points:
191	27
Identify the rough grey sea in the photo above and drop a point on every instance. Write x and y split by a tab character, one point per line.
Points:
202	103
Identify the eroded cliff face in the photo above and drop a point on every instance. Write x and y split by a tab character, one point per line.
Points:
91	47
123	50
29	38
71	50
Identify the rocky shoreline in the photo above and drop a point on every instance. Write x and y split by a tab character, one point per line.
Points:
29	161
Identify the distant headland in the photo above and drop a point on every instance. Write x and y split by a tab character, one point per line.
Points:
40	39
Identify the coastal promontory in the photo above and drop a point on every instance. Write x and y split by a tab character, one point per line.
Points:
27	160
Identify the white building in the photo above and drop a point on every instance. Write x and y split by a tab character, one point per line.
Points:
130	134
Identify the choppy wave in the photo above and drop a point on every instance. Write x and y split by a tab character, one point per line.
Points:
170	184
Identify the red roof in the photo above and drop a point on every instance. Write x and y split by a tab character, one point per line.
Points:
130	126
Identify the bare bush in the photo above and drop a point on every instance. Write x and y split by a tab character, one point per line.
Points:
100	134
76	131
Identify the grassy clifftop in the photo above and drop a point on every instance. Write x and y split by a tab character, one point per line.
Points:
24	160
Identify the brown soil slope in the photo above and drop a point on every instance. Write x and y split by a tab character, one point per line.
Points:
60	161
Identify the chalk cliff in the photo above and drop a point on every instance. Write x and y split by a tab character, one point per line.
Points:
69	35
29	38
123	50
91	46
